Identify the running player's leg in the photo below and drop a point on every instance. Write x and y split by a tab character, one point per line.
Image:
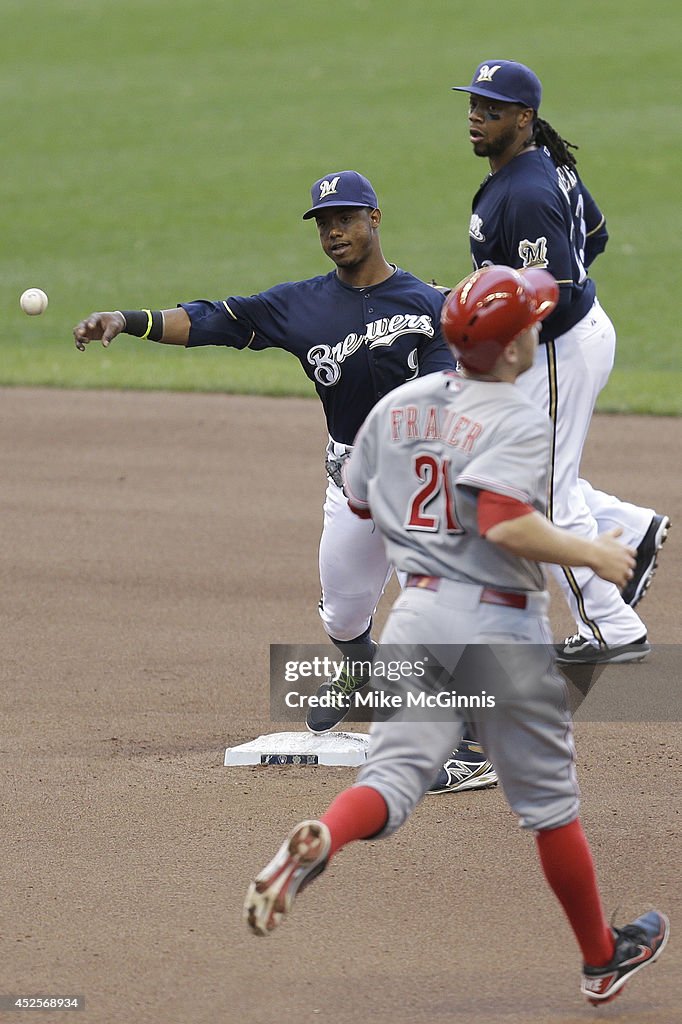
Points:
565	380
406	752
530	737
610	511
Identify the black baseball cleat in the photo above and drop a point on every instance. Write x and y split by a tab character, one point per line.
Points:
576	650
647	560
301	858
466	768
335	696
637	945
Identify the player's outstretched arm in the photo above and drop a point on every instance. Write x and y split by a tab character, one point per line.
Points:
532	536
105	327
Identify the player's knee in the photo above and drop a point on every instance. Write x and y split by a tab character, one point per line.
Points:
342	620
539	817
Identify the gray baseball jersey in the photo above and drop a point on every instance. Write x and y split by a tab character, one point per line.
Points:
421	458
424	453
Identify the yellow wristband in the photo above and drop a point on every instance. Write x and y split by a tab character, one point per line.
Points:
149	323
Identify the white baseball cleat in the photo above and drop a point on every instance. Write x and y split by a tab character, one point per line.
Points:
301	858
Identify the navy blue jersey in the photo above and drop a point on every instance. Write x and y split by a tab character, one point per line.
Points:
355	344
532	213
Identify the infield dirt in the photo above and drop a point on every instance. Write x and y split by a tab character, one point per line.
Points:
153	546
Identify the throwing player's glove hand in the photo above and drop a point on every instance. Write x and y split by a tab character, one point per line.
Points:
440	287
334	464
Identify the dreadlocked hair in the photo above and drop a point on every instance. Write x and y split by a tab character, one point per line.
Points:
559	149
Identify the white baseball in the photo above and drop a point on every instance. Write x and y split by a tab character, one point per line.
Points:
33	301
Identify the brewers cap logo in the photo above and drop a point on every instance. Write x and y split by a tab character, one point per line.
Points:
328	188
486	72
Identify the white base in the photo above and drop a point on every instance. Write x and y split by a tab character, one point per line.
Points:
301	748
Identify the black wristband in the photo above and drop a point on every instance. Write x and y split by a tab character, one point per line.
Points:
143	323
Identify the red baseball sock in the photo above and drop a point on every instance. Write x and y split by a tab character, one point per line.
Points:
357	813
567	863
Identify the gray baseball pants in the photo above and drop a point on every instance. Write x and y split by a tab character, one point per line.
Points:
528	737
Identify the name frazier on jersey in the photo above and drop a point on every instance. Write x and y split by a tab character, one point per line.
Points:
456	430
327	359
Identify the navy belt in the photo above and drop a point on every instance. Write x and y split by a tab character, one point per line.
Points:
508	598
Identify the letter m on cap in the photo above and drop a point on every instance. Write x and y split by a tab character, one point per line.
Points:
328	188
486	72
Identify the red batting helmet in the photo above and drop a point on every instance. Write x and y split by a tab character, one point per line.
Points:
491	307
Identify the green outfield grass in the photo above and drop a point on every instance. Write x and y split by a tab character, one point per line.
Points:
159	151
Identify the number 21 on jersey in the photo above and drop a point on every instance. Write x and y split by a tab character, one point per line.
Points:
426	511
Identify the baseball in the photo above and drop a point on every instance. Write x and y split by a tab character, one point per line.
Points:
33	301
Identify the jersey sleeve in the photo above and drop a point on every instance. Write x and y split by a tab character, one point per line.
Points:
538	233
538	230
434	353
214	323
498	508
515	461
257	321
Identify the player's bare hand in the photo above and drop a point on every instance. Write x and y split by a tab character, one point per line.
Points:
98	327
613	561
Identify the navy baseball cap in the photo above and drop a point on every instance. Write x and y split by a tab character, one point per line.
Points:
505	80
343	188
